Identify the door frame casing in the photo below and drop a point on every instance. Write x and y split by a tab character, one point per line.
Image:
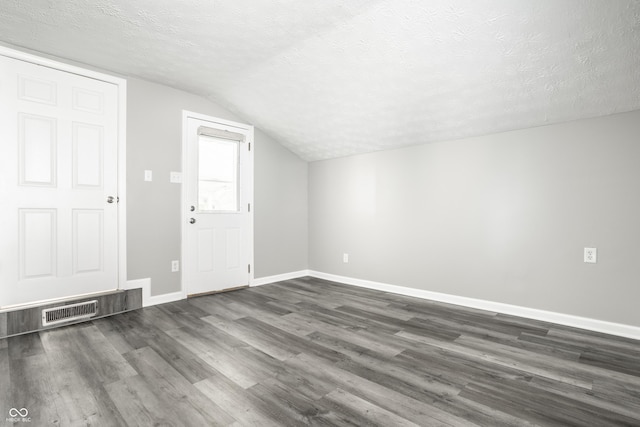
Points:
121	85
246	129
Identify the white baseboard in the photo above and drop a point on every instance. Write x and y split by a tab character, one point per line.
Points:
496	307
279	277
147	299
618	329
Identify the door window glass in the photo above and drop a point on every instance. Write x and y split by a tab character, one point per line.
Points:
217	174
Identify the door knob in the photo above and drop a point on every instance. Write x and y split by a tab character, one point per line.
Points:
111	199
192	220
192	208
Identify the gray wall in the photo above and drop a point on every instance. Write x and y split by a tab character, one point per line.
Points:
502	217
280	219
154	141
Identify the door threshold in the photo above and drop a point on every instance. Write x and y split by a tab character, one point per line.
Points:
201	294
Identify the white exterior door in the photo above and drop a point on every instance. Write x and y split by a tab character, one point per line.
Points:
58	184
218	194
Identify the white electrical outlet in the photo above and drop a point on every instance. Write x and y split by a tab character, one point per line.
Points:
345	258
590	255
175	177
175	266
148	175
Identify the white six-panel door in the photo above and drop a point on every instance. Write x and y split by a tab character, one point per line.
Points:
218	193
58	184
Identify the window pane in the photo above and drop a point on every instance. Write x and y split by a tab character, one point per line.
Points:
217	174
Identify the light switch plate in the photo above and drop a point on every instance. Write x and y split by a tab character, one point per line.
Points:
148	175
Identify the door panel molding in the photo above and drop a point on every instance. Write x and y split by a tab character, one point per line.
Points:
45	92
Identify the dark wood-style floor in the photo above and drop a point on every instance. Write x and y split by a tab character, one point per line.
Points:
309	351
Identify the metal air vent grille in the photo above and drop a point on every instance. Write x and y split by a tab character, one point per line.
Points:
68	313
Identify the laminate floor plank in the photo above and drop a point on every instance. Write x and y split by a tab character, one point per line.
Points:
356	301
599	401
550	408
481	415
591	341
419	385
346	320
386	311
247	409
24	346
309	351
515	320
279	294
294	324
504	325
401	325
198	341
613	393
372	314
293	342
181	358
438	322
206	340
601	337
177	392
331	292
531	347
310	380
246	309
424	305
626	364
335	289
136	400
300	295
181	315
28	386
152	317
246	366
352	408
352	343
111	332
178	356
79	374
101	358
529	365
134	329
256	302
557	367
284	407
212	306
185	308
453	329
85	350
253	338
414	410
456	368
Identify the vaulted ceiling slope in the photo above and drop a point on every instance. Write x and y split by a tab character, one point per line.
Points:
333	78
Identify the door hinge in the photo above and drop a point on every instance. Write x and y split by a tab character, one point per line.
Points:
249	146
248	207
249	268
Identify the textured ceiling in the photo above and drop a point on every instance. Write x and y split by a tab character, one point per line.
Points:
338	77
